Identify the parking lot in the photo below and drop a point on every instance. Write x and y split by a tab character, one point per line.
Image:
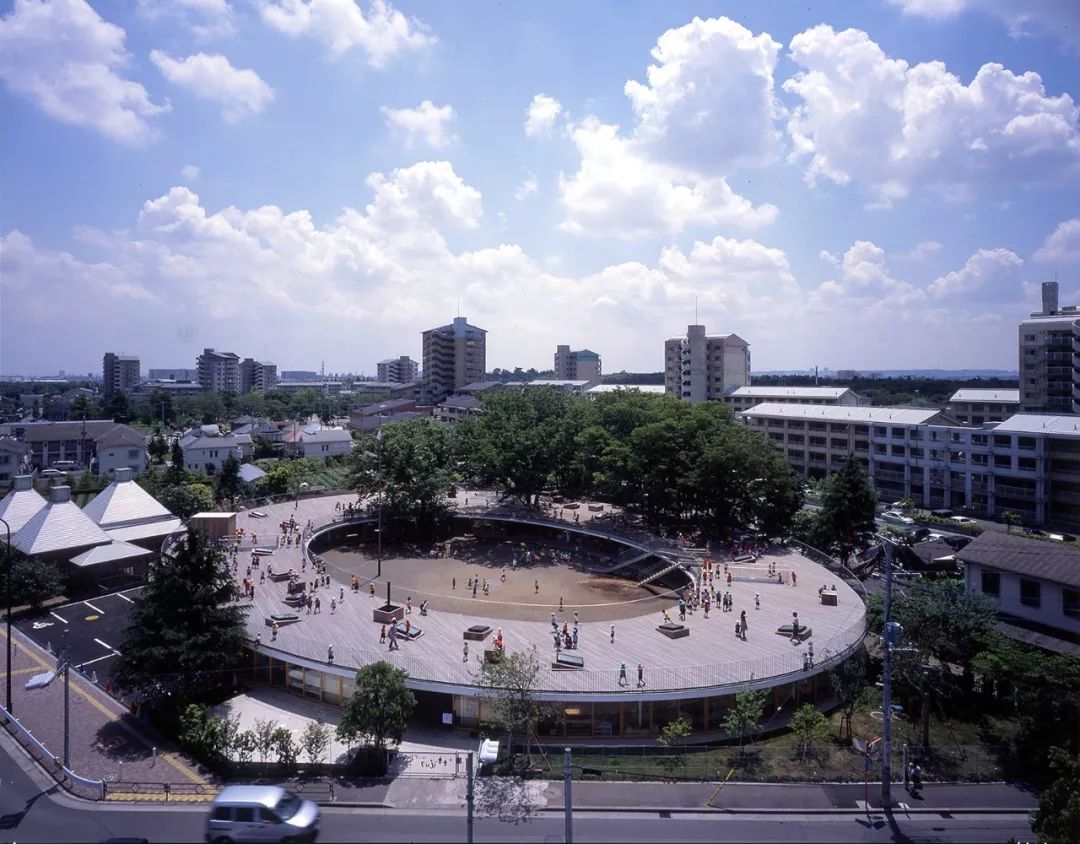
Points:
95	630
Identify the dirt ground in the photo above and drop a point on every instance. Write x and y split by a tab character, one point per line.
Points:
445	583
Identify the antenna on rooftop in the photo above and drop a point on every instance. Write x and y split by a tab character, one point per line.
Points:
695	310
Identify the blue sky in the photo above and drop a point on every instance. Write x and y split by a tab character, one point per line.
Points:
880	184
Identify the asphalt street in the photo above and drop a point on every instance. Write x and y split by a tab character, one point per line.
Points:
95	629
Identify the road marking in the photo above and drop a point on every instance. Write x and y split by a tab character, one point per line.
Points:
61	619
105	645
98	659
125	597
95	609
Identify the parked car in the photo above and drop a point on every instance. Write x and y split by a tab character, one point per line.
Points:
961	520
942	514
957	542
892	517
920	534
261	813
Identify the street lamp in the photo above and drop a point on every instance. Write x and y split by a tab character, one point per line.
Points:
378	473
10	565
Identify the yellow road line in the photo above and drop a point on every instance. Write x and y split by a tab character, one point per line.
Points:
112	715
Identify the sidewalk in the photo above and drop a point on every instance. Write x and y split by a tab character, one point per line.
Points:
503	796
105	740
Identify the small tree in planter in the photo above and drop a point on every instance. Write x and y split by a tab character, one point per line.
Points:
672	735
315	741
285	746
264	737
244	746
809	726
744	717
377	713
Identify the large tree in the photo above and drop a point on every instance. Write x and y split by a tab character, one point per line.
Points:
32	581
228	485
378	711
512	682
184	637
1056	820
744	718
848	509
409	465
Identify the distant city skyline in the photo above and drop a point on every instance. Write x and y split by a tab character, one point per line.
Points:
867	186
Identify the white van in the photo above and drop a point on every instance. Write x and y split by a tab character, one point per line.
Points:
261	813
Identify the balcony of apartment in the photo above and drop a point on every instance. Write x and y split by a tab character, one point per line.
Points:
1065	497
1011	491
888	475
1059	357
1076	344
957	484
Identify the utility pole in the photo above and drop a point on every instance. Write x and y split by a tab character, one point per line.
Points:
378	530
10	564
468	797
891	637
63	663
568	800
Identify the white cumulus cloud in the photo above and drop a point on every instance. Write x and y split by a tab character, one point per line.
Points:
989	273
69	62
427	123
205	18
191	172
1024	18
879	122
1063	245
541	115
342	25
527	188
240	92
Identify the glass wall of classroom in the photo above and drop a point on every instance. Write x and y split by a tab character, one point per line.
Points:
634	717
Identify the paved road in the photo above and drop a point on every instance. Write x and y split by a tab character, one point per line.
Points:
95	628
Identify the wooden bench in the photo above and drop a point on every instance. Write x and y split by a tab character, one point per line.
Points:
281	619
673	630
803	634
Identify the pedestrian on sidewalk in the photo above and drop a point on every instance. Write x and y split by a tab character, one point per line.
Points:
393	638
382	635
757	601
613	634
742	618
273	632
622	674
640	676
333	606
465	653
330	654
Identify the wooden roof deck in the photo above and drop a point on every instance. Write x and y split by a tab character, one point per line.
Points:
710	657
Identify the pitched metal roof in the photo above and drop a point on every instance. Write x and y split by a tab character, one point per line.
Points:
58	526
147	530
613	388
1036	423
250	473
1044	559
895	415
21	505
121	435
124	502
991	396
109	553
789	392
326	435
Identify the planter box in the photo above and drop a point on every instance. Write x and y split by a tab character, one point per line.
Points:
282	619
673	630
803	634
829	598
414	633
477	633
388	613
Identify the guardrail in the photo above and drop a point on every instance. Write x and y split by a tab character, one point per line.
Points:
73	782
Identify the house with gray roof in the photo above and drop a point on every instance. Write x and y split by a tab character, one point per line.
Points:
371	416
210	453
1035	584
14	456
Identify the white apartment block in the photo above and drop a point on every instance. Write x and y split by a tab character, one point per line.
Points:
401	370
744	398
977	407
704	366
218	370
1049	344
257	375
582	365
119	372
1028	464
454	355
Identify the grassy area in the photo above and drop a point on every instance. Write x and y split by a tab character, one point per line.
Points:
960	751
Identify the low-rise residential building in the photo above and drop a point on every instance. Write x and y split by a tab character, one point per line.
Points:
651	389
371	416
173	389
1035	584
173	374
458	408
406	390
326	388
743	398
978	406
316	441
570	386
14	459
100	444
209	453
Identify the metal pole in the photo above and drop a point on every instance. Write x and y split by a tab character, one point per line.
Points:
67	709
886	688
568	799
10	563
469	797
378	437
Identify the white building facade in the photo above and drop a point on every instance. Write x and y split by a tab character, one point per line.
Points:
703	366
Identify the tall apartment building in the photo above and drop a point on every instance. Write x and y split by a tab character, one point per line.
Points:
704	366
119	372
582	365
218	370
257	375
454	355
1049	382
402	370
